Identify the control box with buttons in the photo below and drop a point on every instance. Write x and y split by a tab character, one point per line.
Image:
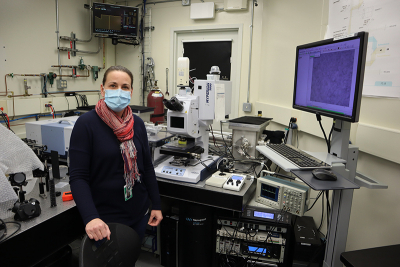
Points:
235	182
191	173
173	170
280	194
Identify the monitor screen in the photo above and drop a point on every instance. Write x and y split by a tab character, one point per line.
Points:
115	20
265	215
236	177
269	192
177	122
257	249
329	77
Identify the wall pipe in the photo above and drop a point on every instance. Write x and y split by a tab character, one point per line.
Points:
142	48
35	75
90	29
72	66
76	76
64	66
41	75
31	116
251	47
73	39
5	82
58	37
53	93
85	91
80	51
73	76
12	75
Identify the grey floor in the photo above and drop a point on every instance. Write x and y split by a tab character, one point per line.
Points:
148	259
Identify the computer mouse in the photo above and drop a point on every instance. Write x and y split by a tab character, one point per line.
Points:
324	175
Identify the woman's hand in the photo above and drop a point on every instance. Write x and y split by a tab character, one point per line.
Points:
97	229
155	218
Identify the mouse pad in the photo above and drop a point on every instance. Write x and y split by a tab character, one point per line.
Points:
311	181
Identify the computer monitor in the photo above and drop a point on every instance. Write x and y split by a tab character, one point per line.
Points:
115	20
329	77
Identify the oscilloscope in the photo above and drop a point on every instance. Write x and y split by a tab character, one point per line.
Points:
280	194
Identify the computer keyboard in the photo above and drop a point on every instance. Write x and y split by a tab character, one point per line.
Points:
298	157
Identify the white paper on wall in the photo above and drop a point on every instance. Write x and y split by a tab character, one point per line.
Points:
380	18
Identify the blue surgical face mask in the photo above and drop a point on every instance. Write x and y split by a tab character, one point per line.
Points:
117	99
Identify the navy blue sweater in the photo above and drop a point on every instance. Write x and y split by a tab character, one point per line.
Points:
97	169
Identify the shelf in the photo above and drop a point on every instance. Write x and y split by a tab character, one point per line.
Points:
340	183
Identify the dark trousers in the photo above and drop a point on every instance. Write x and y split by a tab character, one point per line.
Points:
140	226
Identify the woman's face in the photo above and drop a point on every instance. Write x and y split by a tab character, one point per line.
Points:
117	80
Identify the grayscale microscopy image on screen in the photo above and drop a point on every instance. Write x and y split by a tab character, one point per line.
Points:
331	78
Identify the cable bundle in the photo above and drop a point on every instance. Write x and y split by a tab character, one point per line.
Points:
6	119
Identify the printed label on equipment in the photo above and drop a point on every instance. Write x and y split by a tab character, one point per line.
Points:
173	171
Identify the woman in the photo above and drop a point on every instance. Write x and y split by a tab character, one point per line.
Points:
111	172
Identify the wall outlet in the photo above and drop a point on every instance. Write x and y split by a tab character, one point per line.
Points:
61	84
247	107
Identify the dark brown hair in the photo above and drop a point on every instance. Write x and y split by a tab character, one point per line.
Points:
118	68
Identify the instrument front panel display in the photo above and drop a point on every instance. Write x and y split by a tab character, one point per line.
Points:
283	195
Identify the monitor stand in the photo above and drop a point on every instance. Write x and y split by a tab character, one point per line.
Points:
341	199
340	139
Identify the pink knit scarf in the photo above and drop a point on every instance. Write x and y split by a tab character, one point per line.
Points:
123	129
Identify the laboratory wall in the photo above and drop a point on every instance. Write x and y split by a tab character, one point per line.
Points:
278	27
375	215
165	17
28	45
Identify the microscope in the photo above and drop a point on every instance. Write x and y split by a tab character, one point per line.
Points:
189	116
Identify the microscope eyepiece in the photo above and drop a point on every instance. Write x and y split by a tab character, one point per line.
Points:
168	104
174	104
177	104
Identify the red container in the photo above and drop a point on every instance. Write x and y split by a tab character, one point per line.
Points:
155	100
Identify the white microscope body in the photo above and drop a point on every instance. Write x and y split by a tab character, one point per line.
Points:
189	117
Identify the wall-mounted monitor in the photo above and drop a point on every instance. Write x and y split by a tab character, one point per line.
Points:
115	20
329	77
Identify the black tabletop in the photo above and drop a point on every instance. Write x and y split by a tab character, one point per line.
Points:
387	256
251	120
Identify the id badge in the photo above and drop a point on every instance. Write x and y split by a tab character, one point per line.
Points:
127	193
